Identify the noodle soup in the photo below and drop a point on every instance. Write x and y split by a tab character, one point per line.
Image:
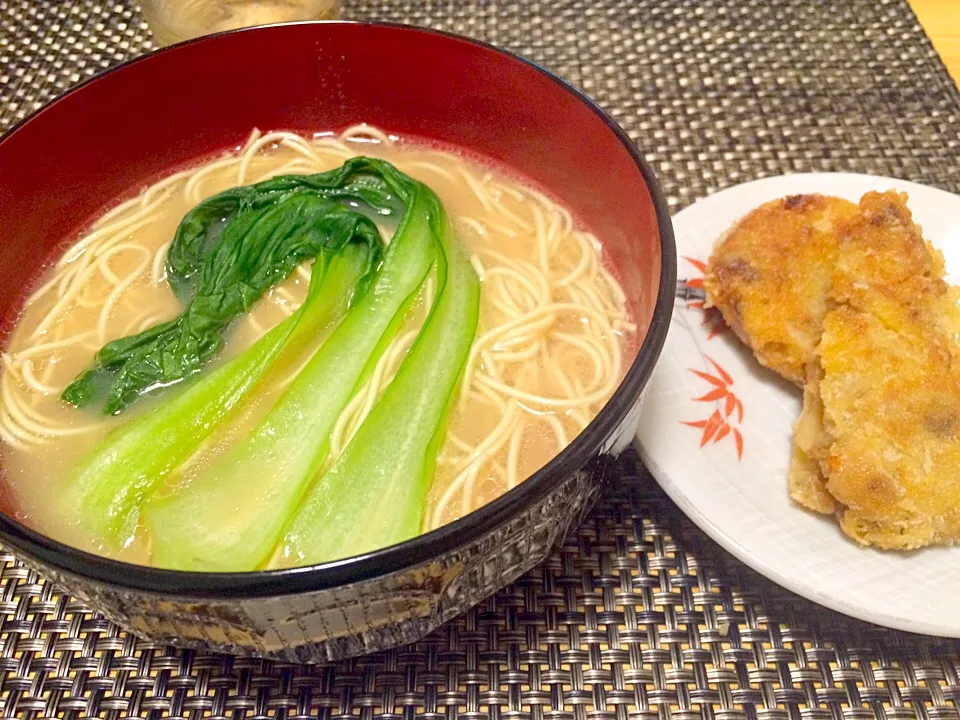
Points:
547	354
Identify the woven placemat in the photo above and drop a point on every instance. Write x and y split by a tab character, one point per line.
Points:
637	615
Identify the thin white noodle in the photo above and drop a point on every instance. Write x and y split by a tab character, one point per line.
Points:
502	209
253	151
508	296
491	444
114	297
91	240
12	429
364	131
148	323
114	212
191	191
614	287
537	296
553	232
53	314
158	271
257	327
356	411
251	138
336	148
289	169
504	230
595	352
517	356
433	167
504	302
491	396
31	380
507	190
513	455
458	443
590	299
338	437
147	196
543	252
478	267
11	439
473	224
45	288
533	399
31	421
71	272
527	270
558	373
301	147
101	248
580	268
104	261
477	189
489	364
280	292
558	430
47	347
495	440
469	485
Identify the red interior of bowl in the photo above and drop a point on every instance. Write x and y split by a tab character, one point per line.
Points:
131	125
62	167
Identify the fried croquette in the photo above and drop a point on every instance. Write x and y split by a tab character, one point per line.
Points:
811	444
883	262
878	440
770	274
890	397
882	267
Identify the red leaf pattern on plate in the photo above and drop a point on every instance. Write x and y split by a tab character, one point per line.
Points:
718	426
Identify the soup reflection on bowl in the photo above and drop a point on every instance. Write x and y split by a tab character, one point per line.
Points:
306	375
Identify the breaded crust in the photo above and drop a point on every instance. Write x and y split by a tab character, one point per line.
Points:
770	274
874	344
884	264
811	444
891	405
883	267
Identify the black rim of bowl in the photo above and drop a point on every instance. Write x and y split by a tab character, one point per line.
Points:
458	533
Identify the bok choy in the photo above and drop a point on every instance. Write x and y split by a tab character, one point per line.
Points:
227	252
373	496
231	516
111	482
276	496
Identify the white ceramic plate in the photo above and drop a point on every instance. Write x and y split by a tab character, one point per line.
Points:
707	385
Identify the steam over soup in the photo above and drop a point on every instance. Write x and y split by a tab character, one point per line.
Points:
304	350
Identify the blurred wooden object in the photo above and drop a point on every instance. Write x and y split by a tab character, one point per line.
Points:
941	20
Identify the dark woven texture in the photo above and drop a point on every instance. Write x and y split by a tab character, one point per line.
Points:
637	616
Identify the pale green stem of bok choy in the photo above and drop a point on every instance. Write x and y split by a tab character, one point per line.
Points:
226	253
374	494
231	515
109	485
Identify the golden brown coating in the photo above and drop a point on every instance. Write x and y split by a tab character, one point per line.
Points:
883	263
811	444
883	267
770	274
854	307
891	405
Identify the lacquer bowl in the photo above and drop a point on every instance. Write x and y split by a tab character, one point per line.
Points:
131	125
